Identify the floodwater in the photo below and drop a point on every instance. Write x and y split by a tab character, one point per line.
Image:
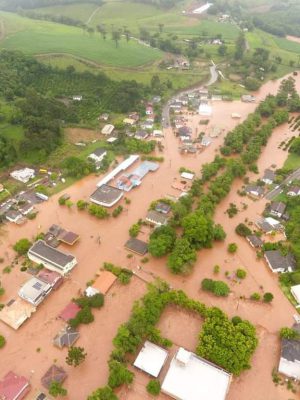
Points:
20	353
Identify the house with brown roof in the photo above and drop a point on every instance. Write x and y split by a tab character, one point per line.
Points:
13	387
277	208
136	246
16	312
54	374
102	283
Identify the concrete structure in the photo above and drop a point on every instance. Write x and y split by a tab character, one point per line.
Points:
247	98
277	208
193	378
151	359
279	263
13	387
205	109
23	175
289	363
16	312
34	291
107	129
106	196
51	258
294	191
187	175
121	167
156	218
97	156
295	290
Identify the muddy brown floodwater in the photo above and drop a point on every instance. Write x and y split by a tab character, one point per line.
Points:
20	353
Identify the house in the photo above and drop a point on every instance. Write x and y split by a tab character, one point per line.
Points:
66	337
265	226
68	237
205	141
187	175
255	241
269	177
205	109
134	115
184	132
14	216
51	258
141	135
97	156
295	290
190	377
16	312
54	374
69	312
14	387
77	98
248	98
289	363
156	218
102	284
147	125
23	175
106	196
52	278
107	129
137	246
294	191
129	121
279	263
26	209
158	133
163	208
254	191
277	208
151	359
149	110
34	291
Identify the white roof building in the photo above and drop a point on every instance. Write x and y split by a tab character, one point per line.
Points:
193	378
187	175
205	109
151	359
107	129
34	291
23	175
295	290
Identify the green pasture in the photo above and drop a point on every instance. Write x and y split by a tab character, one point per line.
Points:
80	12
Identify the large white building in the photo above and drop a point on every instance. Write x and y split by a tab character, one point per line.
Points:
23	175
51	258
193	378
34	291
151	359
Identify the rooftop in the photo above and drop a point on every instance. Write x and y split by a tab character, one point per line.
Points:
137	246
104	281
16	312
54	373
279	262
269	174
156	217
34	291
151	359
255	241
290	349
67	337
47	253
278	207
69	312
193	378
98	152
106	195
163	208
13	387
50	277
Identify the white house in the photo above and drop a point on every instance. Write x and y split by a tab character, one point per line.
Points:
97	156
156	218
269	177
294	191
23	175
13	216
151	359
289	363
107	129
34	291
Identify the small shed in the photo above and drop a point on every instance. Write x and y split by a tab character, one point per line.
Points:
102	284
54	374
69	238
136	246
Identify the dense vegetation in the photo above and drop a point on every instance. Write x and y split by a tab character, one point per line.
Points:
14	5
230	344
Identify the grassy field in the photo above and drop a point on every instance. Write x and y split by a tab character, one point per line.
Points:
81	12
41	37
292	162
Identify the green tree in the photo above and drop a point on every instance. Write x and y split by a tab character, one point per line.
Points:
162	241
2	290
232	248
182	257
255	296
98	211
22	246
222	50
105	393
76	355
56	389
268	297
153	387
81	204
295	146
252	83
198	230
221	289
116	36
243	230
2	341
134	230
241	273
118	374
288	333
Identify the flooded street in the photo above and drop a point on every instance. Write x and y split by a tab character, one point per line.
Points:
20	353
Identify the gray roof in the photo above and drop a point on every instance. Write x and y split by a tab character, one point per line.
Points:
137	246
269	174
278	261
106	194
255	240
67	337
48	253
294	189
156	217
99	152
254	188
265	226
141	134
278	207
162	207
184	131
290	349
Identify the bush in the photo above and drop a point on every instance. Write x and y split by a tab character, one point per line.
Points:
268	297
153	387
134	230
22	246
2	341
2	290
81	204
241	273
216	269
288	333
98	211
117	211
236	320
243	230
232	248
255	296
118	374
105	393
124	275
218	288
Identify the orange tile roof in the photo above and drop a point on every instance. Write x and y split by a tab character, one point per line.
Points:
104	281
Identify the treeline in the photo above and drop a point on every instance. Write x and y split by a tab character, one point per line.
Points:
166	4
14	5
60	19
228	343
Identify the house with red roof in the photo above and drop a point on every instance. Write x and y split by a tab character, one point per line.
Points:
13	387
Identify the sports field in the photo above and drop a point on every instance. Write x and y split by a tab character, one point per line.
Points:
42	37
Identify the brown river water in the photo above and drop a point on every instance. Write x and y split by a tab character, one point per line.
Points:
20	353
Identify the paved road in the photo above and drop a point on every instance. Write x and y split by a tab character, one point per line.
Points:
166	110
276	191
